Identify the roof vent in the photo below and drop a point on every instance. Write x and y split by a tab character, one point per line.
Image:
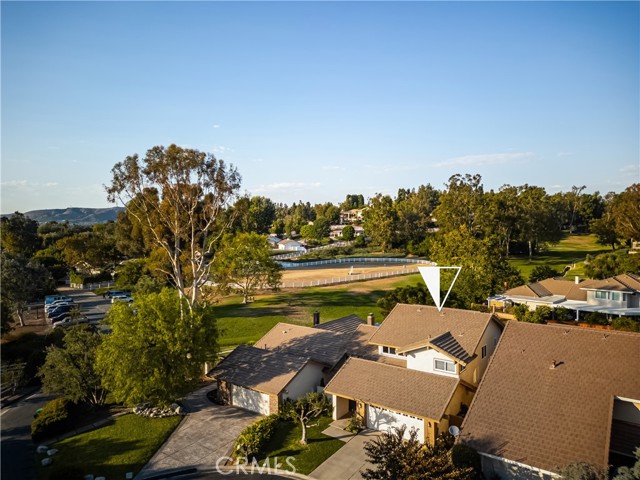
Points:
284	331
605	336
554	364
566	332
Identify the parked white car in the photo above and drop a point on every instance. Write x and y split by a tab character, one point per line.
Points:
68	321
121	298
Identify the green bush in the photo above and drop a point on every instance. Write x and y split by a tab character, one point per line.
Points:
254	438
626	324
463	456
595	318
52	420
355	424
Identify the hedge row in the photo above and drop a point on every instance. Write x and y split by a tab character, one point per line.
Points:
254	438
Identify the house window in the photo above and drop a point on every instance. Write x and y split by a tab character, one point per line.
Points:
615	296
391	351
444	366
484	351
601	295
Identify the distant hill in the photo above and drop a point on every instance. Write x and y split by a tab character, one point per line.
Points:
78	216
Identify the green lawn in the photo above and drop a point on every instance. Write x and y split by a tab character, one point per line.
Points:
240	323
571	250
125	445
286	443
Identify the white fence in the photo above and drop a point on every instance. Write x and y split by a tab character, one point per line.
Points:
349	279
384	260
91	286
300	253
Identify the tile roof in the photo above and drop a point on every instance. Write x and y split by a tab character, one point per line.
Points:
268	371
530	413
396	388
323	346
347	324
409	324
620	283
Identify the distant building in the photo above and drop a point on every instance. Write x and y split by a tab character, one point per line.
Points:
355	215
291	245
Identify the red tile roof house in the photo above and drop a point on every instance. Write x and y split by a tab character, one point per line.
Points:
554	395
434	362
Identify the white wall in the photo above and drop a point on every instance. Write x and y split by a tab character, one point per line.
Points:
494	467
423	360
592	300
304	382
489	337
383	419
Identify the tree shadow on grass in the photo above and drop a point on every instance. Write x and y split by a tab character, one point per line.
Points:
78	457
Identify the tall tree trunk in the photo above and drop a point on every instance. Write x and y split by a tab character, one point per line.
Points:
530	250
303	440
19	312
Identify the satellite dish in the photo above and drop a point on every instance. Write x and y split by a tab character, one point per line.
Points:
453	430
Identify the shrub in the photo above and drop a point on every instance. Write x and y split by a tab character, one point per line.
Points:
520	312
595	318
463	456
52	419
355	424
254	438
626	324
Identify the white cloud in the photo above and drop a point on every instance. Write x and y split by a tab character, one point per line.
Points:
564	154
221	149
630	168
485	159
15	184
216	126
291	186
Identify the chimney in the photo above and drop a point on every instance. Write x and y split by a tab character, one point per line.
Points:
316	318
577	279
370	319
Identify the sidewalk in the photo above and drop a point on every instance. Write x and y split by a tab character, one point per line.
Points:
347	462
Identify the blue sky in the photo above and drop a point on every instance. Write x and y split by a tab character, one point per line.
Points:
314	100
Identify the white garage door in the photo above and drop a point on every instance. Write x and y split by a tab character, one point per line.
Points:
383	419
250	399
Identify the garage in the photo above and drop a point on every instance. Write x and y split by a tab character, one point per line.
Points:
383	419
250	399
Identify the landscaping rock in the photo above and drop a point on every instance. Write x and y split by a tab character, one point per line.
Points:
52	452
42	449
179	410
46	461
101	478
88	477
129	475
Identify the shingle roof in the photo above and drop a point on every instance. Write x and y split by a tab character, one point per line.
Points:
550	287
450	345
267	371
347	324
401	389
620	283
530	413
323	346
409	324
360	347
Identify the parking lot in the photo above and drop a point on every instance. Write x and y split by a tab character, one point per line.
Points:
93	306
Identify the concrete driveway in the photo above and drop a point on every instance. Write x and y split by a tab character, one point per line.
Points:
347	462
204	436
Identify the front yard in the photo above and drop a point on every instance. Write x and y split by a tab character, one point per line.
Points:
305	458
125	445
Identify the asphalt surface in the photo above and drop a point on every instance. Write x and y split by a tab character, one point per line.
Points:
17	449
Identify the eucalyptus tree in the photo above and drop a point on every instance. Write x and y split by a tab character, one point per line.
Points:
178	195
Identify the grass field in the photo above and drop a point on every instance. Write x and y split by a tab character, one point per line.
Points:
124	446
240	323
286	443
572	250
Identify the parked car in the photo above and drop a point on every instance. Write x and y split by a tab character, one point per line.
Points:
62	311
68	321
60	308
52	306
58	301
52	298
113	293
123	297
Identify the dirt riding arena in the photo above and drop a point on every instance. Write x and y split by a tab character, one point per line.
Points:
311	275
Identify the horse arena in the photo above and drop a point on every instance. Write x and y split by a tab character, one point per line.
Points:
329	272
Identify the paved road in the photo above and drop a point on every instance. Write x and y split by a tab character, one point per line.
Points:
17	448
93	306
